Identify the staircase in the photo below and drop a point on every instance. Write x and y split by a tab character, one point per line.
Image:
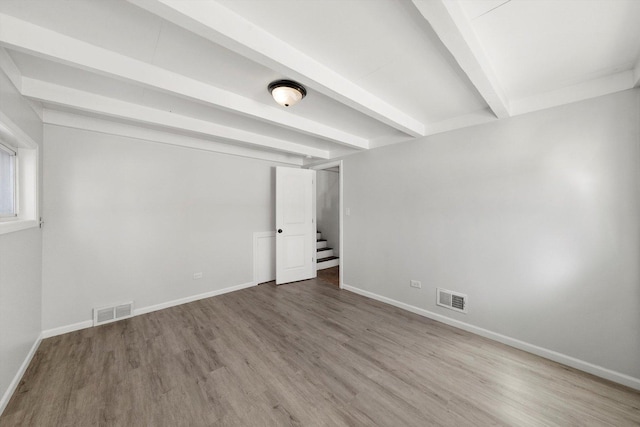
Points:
324	255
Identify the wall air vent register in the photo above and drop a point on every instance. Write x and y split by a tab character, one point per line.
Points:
111	314
451	300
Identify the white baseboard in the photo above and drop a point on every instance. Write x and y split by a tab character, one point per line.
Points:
596	370
18	377
67	328
191	298
142	310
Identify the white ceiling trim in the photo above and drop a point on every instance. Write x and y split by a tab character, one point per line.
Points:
22	139
89	102
452	26
75	121
472	119
13	73
48	44
10	69
222	26
579	92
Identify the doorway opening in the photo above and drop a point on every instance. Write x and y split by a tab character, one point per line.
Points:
329	222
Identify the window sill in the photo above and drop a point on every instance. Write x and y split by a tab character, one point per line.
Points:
17	225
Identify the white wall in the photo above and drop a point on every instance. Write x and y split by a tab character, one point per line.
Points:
20	299
133	220
536	218
328	207
20	265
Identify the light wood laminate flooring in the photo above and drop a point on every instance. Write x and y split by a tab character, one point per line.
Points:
301	354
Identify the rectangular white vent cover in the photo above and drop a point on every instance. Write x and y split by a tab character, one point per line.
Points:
452	300
111	314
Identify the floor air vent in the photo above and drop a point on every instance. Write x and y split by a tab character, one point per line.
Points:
111	314
452	300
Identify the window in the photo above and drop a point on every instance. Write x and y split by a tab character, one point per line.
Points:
8	163
18	178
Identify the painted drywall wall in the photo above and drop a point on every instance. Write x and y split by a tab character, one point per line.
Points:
20	300
20	265
133	220
328	207
535	218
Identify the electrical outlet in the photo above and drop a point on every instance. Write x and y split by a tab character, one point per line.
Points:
197	276
415	284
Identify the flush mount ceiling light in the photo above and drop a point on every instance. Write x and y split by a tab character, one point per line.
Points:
287	92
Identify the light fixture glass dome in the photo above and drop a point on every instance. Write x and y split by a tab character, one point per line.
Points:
287	92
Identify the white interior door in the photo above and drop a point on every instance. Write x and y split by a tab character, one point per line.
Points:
295	224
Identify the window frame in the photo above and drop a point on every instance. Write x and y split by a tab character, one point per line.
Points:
16	202
26	179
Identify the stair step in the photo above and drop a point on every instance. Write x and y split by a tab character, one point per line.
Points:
324	253
325	257
329	262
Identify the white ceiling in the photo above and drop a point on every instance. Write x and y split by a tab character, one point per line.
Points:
576	44
377	72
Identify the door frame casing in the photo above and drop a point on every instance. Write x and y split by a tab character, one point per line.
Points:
329	165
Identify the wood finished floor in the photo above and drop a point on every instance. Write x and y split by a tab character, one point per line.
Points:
301	354
330	275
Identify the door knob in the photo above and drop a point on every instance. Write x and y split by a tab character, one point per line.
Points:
279	230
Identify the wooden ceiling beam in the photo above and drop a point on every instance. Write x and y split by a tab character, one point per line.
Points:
50	93
215	22
453	28
44	43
